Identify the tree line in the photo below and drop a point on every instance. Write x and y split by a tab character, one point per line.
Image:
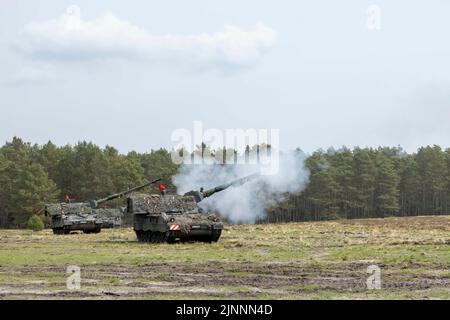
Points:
33	175
368	182
345	183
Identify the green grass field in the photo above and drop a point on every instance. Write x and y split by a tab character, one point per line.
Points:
317	260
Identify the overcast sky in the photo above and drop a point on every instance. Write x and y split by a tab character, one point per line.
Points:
129	73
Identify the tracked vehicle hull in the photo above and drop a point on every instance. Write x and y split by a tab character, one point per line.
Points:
85	229
65	224
177	228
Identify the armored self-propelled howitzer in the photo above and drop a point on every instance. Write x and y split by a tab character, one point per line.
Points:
169	218
87	216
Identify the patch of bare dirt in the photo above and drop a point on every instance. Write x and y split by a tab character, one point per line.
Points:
209	279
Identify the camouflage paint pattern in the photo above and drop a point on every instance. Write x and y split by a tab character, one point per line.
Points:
86	216
169	218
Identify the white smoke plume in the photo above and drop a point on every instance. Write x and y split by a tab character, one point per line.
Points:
248	202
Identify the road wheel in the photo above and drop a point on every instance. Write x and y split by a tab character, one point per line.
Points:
148	236
154	237
169	237
216	235
164	237
139	235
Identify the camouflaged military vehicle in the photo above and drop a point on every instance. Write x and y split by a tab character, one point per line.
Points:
169	218
87	216
110	218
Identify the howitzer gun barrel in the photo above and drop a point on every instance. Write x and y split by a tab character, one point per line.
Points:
96	203
234	183
200	195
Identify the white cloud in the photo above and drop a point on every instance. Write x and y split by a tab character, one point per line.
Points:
70	38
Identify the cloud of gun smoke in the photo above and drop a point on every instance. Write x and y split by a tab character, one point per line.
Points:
248	202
